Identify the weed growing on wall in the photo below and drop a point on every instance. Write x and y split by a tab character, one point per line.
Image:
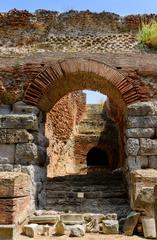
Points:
147	36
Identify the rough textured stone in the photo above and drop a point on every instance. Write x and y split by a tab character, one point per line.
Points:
77	231
44	219
8	232
21	107
130	223
26	153
149	228
90	216
21	121
132	147
5	109
142	161
15	136
153	162
59	228
142	122
31	230
72	218
140	132
7	153
143	109
111	216
110	227
148	146
132	164
93	225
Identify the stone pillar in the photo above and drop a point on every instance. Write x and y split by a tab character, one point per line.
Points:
23	146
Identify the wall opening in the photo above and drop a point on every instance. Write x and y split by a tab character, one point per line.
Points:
97	157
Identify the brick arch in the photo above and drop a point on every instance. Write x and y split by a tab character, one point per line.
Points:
57	79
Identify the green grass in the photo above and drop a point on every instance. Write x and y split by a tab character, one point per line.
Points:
147	36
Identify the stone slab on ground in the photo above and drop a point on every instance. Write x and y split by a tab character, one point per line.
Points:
30	230
110	227
72	219
8	232
77	231
44	219
130	223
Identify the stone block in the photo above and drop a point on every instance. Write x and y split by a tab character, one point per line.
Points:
77	231
44	219
21	107
90	216
59	228
7	153
140	132
141	190
142	122
8	167
3	133
19	121
14	185
148	146
8	232
26	153
132	147
149	228
153	162
130	223
132	163
110	227
15	136
143	109
72	219
30	230
5	109
142	161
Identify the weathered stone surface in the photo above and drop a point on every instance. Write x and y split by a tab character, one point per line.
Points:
110	227
142	122
8	232
14	185
132	163
153	162
142	182
5	109
59	228
142	161
130	223
77	231
26	153
7	153
19	121
148	146
44	219
132	147
30	230
72	218
93	225
143	109
90	216
140	132
149	228
15	136
111	216
21	107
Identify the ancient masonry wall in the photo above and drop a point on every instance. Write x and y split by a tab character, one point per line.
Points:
60	127
23	146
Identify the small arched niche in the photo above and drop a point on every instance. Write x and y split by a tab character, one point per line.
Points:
97	159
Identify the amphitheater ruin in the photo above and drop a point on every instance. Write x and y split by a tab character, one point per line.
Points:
66	165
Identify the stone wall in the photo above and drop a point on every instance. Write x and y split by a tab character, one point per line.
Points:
23	146
60	127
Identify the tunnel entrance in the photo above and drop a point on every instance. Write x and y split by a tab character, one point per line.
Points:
97	157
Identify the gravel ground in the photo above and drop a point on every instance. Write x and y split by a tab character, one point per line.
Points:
88	236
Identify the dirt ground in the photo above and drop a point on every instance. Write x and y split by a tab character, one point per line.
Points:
90	236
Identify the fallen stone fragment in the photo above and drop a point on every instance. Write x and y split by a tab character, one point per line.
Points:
149	229
130	223
77	231
110	227
93	226
59	228
31	230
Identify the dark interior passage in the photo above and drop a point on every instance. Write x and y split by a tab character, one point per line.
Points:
97	157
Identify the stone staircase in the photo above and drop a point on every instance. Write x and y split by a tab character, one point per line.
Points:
95	193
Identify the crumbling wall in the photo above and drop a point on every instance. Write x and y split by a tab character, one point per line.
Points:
60	129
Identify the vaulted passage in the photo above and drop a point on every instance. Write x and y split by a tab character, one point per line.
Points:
97	157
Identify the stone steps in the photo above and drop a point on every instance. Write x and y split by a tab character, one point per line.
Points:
95	193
